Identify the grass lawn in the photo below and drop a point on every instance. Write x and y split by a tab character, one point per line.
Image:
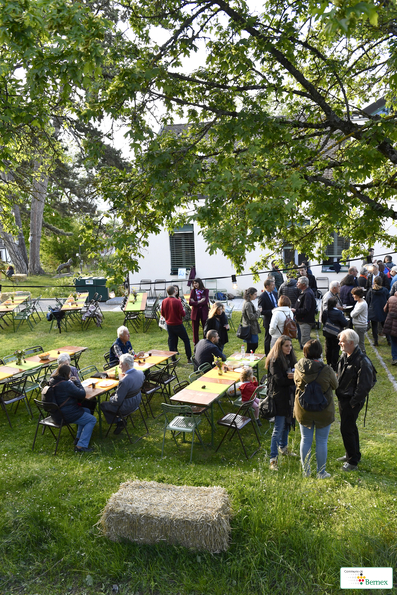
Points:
289	534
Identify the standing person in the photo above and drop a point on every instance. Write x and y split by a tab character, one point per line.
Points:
334	291
359	315
280	378
305	309
199	304
347	284
279	316
173	312
362	279
390	326
249	317
267	301
336	318
217	320
290	288
377	298
68	395
303	272
355	378
128	395
308	369
278	276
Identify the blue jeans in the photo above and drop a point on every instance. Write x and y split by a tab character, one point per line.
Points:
85	426
321	447
393	348
279	436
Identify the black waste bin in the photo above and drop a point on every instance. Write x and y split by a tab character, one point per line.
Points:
93	285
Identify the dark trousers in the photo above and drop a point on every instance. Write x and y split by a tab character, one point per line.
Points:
252	347
268	337
349	430
196	325
176	332
375	327
332	351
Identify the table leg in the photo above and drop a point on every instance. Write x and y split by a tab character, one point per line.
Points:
99	415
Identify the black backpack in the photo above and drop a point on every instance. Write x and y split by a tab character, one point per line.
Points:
313	399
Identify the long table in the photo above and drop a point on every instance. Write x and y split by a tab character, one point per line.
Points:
33	361
9	306
206	391
136	305
95	388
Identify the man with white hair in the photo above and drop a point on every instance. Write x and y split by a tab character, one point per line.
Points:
355	379
393	276
305	309
121	345
334	291
128	394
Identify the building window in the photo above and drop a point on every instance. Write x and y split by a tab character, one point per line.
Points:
182	249
334	253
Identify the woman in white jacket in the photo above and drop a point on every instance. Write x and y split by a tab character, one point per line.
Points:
359	316
279	316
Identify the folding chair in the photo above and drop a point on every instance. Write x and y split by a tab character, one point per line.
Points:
165	377
125	419
184	422
93	314
146	286
197	410
148	390
13	391
229	315
25	314
75	358
88	372
239	420
36	308
150	314
132	318
33	350
32	383
160	287
48	422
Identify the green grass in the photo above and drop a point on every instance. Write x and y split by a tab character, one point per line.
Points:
289	535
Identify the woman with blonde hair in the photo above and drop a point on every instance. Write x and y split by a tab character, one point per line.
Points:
279	316
217	321
280	365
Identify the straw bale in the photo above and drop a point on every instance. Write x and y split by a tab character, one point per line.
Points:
150	512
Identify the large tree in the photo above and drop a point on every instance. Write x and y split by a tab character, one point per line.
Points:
277	147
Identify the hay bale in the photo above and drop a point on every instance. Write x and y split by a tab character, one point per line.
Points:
150	512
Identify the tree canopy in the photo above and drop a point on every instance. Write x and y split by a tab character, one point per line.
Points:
277	147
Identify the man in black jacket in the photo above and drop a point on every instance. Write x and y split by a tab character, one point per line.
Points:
207	349
305	309
303	272
355	378
267	301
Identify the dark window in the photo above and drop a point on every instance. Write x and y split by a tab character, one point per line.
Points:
182	249
334	253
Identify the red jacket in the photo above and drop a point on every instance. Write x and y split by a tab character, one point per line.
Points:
247	389
172	310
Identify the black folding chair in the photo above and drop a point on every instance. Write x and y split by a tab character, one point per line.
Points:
46	421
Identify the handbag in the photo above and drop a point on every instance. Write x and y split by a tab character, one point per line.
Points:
243	332
267	409
162	323
331	329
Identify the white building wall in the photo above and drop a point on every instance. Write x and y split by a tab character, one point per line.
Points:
156	264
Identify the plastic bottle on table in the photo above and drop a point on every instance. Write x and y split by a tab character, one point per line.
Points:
252	356
242	351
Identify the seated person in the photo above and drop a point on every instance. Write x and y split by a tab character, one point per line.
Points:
121	345
128	396
64	359
68	395
10	271
207	349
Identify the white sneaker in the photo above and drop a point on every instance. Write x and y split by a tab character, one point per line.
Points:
273	465
323	475
286	452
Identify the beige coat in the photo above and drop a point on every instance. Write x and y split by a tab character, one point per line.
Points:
306	371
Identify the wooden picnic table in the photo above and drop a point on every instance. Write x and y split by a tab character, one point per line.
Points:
136	305
101	387
9	306
235	361
72	305
54	354
206	390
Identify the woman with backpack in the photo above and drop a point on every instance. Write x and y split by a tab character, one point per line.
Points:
280	315
280	385
309	370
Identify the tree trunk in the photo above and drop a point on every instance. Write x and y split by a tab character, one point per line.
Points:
39	194
14	250
21	237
